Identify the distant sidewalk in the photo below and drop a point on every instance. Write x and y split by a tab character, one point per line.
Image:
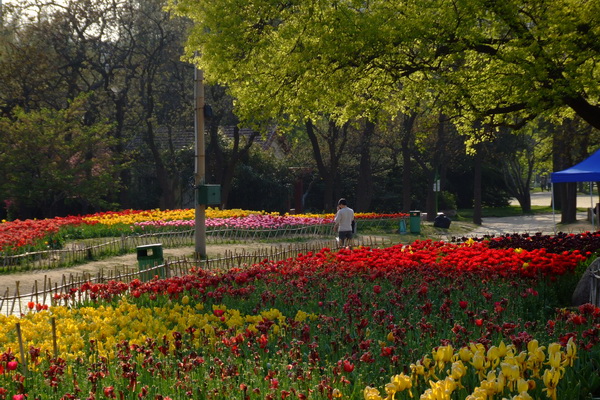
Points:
538	223
545	199
547	224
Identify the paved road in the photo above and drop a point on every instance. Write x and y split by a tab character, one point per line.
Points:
545	199
544	223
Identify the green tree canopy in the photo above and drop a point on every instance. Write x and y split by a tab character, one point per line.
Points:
49	159
496	62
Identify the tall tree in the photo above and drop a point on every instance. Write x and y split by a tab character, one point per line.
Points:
364	186
225	154
127	53
335	139
569	147
51	163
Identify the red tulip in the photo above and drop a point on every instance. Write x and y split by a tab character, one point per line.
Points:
263	340
109	392
218	312
348	366
387	351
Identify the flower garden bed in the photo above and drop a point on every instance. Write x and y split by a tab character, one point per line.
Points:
17	237
433	320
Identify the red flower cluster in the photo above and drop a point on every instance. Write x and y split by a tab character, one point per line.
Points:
17	233
449	257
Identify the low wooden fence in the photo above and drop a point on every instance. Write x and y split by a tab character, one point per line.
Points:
48	292
76	253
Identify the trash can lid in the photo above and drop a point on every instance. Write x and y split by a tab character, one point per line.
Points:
149	245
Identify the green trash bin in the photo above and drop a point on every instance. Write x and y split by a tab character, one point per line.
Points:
148	256
415	221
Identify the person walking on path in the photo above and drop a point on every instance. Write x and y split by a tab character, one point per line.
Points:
343	223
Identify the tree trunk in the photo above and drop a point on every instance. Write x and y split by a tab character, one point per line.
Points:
364	192
336	139
438	159
477	190
406	143
165	181
568	198
430	201
229	168
321	168
565	194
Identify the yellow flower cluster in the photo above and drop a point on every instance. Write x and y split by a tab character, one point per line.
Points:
301	316
500	370
358	215
108	326
311	215
131	217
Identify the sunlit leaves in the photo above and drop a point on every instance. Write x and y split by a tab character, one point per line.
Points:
496	62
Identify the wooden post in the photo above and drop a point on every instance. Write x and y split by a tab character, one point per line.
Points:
3	299
45	289
12	309
21	350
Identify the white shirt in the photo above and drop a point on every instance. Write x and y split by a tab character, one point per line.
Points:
343	219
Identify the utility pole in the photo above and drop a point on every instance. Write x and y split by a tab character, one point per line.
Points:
200	170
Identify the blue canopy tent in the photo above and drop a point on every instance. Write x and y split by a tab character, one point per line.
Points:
586	171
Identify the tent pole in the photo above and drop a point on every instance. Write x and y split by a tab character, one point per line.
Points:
552	201
592	206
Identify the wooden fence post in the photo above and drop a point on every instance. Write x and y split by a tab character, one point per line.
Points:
21	350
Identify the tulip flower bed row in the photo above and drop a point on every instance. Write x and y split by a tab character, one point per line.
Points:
585	242
34	235
432	320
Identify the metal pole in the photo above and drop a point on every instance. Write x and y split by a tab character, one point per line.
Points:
552	201
200	170
591	206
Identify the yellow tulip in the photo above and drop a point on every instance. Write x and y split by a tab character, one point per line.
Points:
401	382
371	393
480	363
571	353
522	385
536	357
511	371
478	394
493	356
442	355
554	358
551	378
465	354
458	370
